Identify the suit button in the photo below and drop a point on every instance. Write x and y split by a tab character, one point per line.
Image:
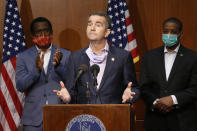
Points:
165	91
46	81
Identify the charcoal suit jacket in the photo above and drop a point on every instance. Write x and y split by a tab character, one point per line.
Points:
182	83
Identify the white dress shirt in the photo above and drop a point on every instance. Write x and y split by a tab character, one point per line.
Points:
169	61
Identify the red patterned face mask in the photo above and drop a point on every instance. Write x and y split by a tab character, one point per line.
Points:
43	41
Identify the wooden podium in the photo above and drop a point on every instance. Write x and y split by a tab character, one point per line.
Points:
115	117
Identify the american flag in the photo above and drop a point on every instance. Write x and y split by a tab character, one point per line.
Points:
122	34
11	101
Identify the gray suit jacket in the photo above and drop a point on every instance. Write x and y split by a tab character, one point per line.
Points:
38	86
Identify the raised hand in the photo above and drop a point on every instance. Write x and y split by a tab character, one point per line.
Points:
63	93
39	62
128	94
57	57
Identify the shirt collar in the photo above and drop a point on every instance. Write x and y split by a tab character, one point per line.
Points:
175	50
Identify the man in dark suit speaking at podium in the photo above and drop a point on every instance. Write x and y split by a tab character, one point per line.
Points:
100	74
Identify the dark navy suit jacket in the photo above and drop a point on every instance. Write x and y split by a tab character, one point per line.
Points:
38	86
119	71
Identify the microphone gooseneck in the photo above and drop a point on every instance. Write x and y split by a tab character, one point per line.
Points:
82	69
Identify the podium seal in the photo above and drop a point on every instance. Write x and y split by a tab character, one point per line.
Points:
85	123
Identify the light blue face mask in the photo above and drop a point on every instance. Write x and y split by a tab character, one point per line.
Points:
169	39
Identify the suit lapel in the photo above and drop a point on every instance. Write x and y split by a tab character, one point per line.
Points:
108	66
33	54
161	63
177	62
84	59
50	65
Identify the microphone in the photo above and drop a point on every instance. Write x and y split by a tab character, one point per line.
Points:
82	69
95	70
